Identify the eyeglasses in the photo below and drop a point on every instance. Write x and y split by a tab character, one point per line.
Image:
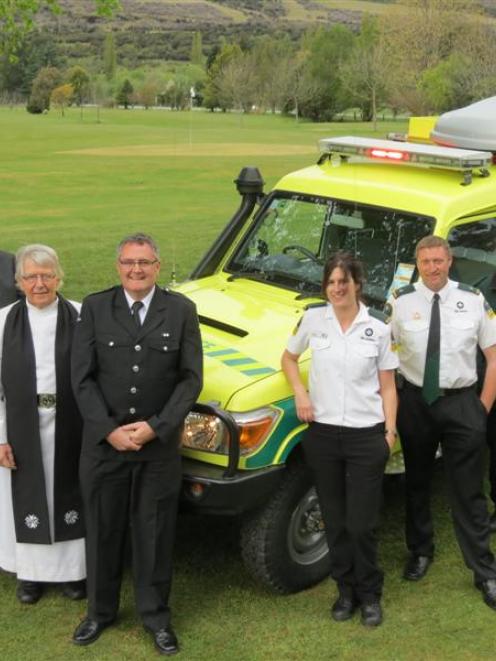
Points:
44	277
142	263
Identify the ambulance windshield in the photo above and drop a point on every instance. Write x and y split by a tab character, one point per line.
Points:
294	234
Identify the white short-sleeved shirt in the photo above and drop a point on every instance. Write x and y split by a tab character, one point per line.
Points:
344	380
466	321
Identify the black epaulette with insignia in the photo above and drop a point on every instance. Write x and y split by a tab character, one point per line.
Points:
407	289
464	287
378	314
320	304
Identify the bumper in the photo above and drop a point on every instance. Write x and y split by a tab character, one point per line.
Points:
206	489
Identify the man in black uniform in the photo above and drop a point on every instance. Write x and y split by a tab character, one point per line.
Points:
137	371
8	291
437	325
488	288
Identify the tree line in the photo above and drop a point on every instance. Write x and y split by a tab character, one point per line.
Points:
419	56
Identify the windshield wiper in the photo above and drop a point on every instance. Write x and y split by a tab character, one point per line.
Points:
312	293
259	276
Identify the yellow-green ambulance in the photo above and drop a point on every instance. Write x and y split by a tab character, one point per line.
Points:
375	198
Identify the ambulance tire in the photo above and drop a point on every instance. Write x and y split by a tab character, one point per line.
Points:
283	544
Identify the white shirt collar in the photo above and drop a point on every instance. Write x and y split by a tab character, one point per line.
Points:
45	310
362	315
146	302
443	293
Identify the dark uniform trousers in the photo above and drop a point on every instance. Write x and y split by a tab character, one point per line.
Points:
491	441
348	467
458	422
144	494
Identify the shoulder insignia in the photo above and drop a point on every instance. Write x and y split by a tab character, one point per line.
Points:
489	311
172	292
295	329
103	291
319	304
378	314
469	288
407	289
388	312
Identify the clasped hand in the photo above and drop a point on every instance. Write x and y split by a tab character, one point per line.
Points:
131	437
7	456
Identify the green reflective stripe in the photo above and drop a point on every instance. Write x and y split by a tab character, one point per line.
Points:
221	352
233	358
239	361
259	370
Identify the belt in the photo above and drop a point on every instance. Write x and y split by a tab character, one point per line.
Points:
443	392
46	400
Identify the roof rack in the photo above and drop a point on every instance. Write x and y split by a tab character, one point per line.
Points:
420	155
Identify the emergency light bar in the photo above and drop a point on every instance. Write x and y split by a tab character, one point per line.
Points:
390	151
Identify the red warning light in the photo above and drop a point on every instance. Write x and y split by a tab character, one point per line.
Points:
388	154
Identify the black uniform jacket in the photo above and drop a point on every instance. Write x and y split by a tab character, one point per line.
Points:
122	374
8	290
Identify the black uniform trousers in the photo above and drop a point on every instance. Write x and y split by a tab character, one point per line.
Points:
458	422
348	467
144	493
491	442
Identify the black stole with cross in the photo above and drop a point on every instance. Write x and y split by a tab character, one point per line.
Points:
18	376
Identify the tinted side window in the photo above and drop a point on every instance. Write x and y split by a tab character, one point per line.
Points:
474	251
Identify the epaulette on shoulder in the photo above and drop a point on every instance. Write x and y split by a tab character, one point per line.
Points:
407	289
469	288
99	293
172	292
378	314
319	304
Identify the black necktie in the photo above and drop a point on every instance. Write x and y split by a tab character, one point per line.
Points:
135	311
430	387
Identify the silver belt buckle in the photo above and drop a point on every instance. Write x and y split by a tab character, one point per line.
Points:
47	400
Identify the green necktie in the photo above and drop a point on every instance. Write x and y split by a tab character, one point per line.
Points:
430	387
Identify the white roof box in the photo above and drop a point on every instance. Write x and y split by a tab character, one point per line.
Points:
472	127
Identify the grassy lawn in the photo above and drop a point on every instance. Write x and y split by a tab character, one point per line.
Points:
80	186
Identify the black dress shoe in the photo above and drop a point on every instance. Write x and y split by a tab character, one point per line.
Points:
371	614
75	590
88	631
416	567
492	522
488	589
166	641
343	608
29	592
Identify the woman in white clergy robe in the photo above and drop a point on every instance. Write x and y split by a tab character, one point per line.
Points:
41	523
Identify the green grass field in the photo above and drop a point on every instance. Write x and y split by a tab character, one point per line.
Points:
80	186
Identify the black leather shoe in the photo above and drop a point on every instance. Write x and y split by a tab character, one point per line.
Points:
488	589
75	590
416	567
343	609
166	641
492	522
88	631
28	592
371	614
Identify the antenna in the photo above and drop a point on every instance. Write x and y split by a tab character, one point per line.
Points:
173	281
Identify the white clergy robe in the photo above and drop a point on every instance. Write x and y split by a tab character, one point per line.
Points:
58	561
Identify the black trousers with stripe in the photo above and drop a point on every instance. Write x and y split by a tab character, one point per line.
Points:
348	467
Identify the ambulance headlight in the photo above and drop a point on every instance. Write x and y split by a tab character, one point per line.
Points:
208	432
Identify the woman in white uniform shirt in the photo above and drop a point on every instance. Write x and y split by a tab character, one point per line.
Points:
351	411
41	527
